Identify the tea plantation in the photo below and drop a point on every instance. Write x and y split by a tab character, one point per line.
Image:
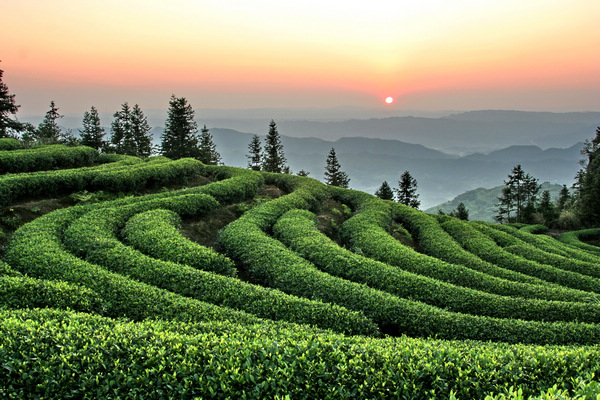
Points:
160	279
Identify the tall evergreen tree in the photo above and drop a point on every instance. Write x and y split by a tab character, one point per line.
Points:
334	176
588	189
48	131
92	134
122	138
180	136
407	190
518	197
461	212
385	192
140	131
564	199
274	159
208	149
8	127
546	209
256	156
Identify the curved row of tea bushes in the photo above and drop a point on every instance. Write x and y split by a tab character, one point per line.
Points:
26	292
483	246
575	238
436	242
547	244
93	236
7	270
298	230
46	157
516	246
157	172
268	262
365	232
10	144
36	249
112	177
156	234
84	356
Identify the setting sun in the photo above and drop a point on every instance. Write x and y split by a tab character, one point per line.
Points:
389	100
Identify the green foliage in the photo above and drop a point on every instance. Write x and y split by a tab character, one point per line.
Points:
576	238
334	176
8	127
385	192
406	193
10	144
273	159
93	133
46	158
518	199
208	153
588	189
180	136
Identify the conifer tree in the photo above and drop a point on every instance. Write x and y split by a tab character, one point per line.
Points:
8	127
588	189
256	156
564	198
208	150
546	209
121	135
140	131
274	159
48	131
333	174
518	197
92	134
303	173
180	136
407	191
385	192
460	212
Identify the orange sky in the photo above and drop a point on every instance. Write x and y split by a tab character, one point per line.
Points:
428	54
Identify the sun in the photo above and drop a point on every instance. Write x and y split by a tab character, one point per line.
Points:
389	100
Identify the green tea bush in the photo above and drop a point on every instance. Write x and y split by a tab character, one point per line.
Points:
366	233
86	356
10	144
155	234
483	246
575	238
46	157
93	236
298	229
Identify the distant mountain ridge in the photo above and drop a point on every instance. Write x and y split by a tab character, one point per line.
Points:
440	176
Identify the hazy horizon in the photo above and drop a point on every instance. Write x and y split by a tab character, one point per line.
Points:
432	55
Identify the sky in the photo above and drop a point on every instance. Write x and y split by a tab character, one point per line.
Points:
538	55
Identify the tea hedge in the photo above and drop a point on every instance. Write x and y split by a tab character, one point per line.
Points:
155	233
10	144
36	250
366	234
45	158
575	238
483	246
516	246
93	236
298	229
73	355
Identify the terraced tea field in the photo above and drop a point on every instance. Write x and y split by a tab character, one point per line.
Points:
218	282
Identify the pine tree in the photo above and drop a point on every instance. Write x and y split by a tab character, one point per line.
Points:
140	131
208	149
8	127
122	138
588	190
303	173
274	159
48	131
461	212
180	136
256	156
385	192
564	199
518	196
92	134
407	190
333	175
546	209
